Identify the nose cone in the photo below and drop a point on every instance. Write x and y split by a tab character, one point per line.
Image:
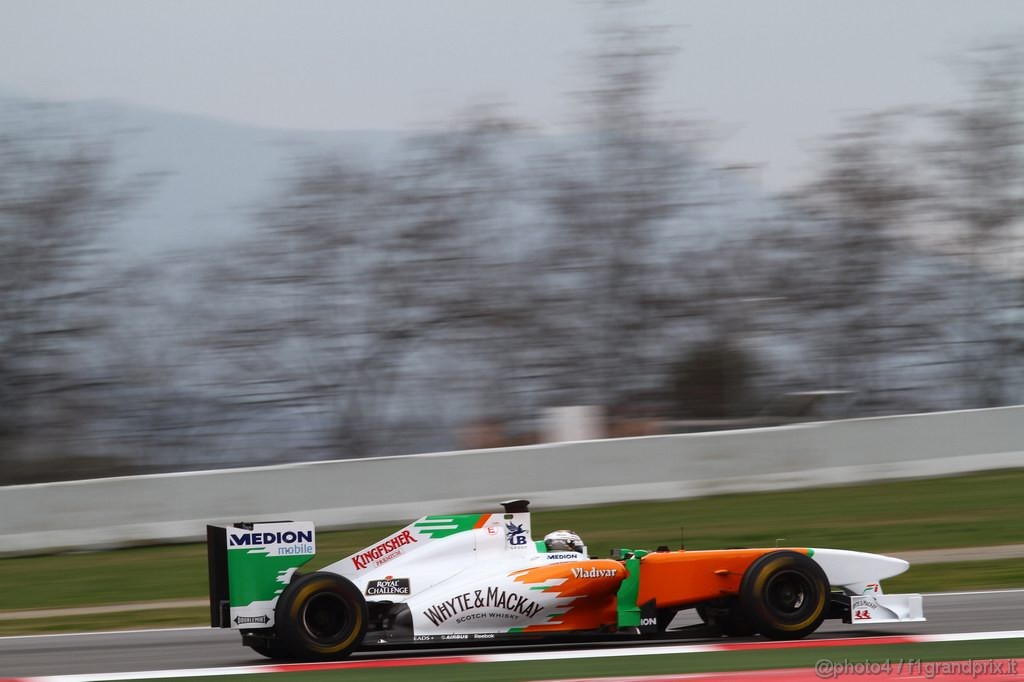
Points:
844	567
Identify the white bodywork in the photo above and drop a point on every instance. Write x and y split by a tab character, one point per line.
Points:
859	574
464	583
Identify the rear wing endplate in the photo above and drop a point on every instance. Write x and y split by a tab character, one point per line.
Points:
249	565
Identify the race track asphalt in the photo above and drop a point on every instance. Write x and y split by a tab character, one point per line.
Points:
208	648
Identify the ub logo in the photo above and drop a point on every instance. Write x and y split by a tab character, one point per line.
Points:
515	535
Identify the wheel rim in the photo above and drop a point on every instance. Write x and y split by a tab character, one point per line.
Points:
788	594
325	617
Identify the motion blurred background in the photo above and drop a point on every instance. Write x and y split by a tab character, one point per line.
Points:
246	232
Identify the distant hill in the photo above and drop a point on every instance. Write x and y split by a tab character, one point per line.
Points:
214	173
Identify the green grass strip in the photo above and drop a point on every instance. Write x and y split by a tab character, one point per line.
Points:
129	620
957	576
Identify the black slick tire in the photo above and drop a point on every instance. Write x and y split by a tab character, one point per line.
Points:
784	595
321	617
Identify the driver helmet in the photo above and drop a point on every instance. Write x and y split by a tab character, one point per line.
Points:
564	541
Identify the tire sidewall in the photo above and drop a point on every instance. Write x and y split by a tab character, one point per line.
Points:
754	600
288	616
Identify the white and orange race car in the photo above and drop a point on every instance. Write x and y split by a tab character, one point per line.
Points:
477	577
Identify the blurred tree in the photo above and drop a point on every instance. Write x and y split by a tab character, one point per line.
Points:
713	380
614	198
159	411
455	257
977	190
291	315
853	248
355	270
56	194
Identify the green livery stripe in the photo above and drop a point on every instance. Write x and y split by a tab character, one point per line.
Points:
253	574
810	552
516	629
437	527
629	590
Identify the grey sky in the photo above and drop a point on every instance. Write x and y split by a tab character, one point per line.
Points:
774	73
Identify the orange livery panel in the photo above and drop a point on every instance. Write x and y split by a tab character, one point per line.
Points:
684	578
589	588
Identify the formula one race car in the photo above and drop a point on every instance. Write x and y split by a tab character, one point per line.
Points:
482	577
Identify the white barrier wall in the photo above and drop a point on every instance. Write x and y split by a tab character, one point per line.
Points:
174	507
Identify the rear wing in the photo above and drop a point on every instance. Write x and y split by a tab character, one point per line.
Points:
249	565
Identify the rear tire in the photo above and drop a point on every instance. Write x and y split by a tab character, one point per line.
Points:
321	616
785	595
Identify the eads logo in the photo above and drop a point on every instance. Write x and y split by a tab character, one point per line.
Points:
515	535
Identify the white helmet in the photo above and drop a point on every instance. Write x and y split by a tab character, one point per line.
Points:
564	541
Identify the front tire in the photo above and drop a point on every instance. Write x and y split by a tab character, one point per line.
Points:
784	595
321	616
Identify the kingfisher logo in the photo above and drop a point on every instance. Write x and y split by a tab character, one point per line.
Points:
384	552
515	535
